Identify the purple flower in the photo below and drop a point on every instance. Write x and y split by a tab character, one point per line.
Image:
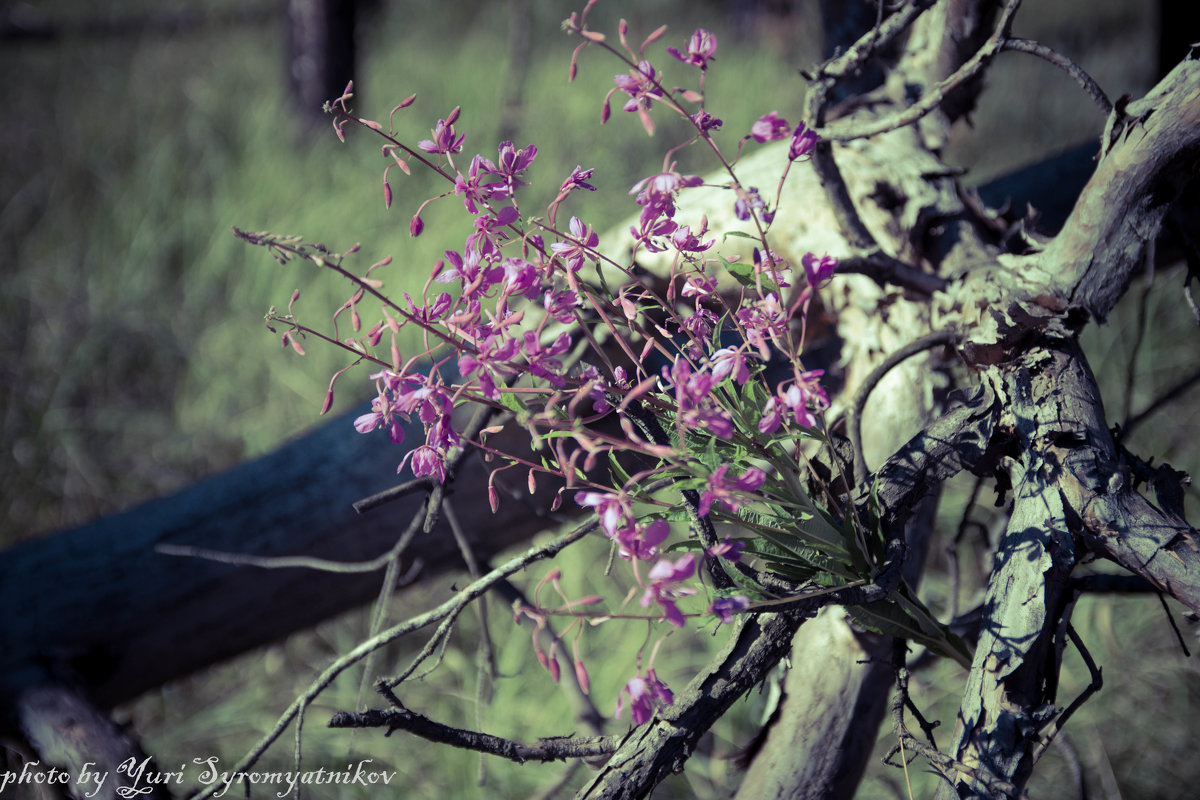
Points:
701	48
726	549
542	362
701	324
803	141
444	139
687	242
651	223
646	695
426	461
616	512
662	589
521	278
805	392
561	305
578	179
770	127
699	286
487	362
730	492
749	200
489	231
641	542
819	270
726	607
511	161
573	252
476	275
639	85
474	191
705	122
762	320
659	191
697	410
730	361
772	267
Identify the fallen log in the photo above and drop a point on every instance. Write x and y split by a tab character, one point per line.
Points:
101	608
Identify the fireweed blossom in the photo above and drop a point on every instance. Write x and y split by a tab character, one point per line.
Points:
663	589
803	141
444	139
750	201
769	128
700	50
818	270
646	695
510	163
572	253
799	400
615	510
697	409
640	86
641	541
504	262
731	492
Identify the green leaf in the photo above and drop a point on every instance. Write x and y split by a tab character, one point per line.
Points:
906	617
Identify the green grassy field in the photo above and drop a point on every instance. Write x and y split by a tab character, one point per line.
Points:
135	359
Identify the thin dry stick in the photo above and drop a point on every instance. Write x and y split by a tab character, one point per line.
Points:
1085	81
1097	681
854	418
451	607
549	749
934	97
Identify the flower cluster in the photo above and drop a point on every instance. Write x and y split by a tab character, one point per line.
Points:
506	312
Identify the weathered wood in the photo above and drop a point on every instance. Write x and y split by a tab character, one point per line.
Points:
99	608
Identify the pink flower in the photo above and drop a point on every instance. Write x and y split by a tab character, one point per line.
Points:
803	141
444	139
616	512
805	392
572	252
730	492
561	305
701	48
641	542
819	270
730	361
646	695
726	549
639	85
662	590
425	461
770	127
705	121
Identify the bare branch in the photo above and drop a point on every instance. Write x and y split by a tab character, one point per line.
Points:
844	132
451	607
653	751
854	419
546	749
1085	81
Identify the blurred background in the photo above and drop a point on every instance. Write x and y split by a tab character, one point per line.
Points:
134	358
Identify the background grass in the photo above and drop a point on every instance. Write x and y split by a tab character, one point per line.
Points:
134	360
